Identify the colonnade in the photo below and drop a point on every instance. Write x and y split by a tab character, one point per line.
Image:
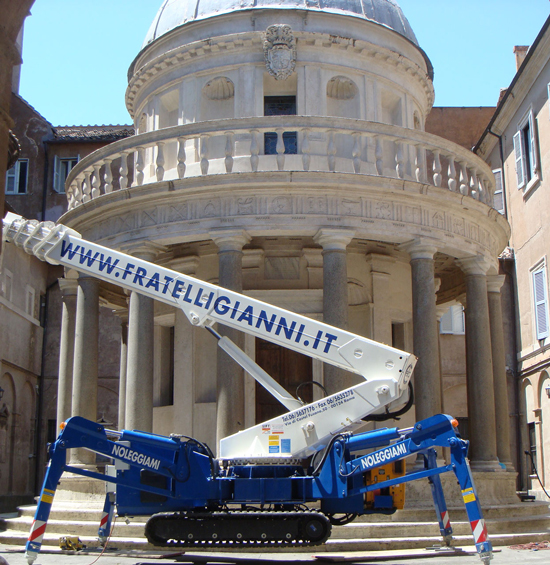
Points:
486	374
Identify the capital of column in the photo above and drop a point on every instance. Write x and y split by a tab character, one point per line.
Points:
68	287
230	240
495	282
144	250
419	248
478	265
186	265
333	239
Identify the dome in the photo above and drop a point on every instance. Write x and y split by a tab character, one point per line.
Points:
175	13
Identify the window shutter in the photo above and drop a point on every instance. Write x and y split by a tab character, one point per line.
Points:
518	153
498	197
541	306
533	144
56	173
10	180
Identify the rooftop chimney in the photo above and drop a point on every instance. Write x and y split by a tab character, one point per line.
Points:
521	53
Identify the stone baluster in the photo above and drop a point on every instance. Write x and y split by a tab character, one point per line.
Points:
356	152
123	178
479	367
181	157
85	365
230	377
108	177
140	163
204	154
96	182
331	152
379	156
306	157
474	184
69	288
254	150
87	187
451	183
399	169
335	293
79	190
229	150
280	148
463	179
419	164
160	161
72	195
437	168
502	412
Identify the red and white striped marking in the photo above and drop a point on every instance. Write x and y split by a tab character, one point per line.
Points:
445	520
479	530
38	529
104	519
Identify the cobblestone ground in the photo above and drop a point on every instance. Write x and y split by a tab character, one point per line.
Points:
502	556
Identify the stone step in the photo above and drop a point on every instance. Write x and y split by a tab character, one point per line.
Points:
332	545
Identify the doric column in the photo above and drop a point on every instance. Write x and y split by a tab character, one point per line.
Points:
140	373
427	374
335	293
230	377
85	367
502	416
479	367
123	315
69	289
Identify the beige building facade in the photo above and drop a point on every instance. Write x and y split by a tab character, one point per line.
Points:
516	145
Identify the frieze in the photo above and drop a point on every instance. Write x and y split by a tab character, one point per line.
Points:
298	208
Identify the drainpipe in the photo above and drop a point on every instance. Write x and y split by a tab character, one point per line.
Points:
40	395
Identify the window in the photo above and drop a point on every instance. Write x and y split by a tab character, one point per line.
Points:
498	197
525	152
61	170
16	177
452	322
540	296
280	106
532	456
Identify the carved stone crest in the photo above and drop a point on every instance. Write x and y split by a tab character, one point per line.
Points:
280	51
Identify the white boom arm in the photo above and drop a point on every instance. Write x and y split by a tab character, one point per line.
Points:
305	429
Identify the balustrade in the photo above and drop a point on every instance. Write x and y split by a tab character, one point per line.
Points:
324	144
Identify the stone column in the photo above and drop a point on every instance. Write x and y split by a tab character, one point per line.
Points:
85	367
479	367
427	374
123	314
335	294
502	416
140	373
69	289
230	377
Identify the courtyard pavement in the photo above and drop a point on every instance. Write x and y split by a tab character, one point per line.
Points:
14	555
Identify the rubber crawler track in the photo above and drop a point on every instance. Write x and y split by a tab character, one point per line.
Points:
238	529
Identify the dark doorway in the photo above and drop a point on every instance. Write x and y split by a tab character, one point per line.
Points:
289	369
280	106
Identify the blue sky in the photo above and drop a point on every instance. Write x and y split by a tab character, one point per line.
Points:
77	52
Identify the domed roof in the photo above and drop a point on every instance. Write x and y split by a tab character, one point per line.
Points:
175	13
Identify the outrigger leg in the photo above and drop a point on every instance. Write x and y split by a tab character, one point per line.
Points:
440	505
38	528
463	473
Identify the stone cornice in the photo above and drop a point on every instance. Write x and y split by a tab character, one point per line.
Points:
247	41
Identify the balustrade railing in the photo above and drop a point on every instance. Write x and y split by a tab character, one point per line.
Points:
236	146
